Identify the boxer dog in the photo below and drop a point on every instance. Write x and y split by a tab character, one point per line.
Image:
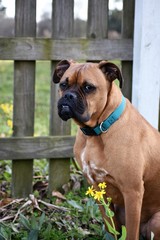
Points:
114	143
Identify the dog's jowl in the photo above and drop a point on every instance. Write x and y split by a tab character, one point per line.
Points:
114	143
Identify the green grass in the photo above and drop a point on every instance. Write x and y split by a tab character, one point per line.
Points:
6	81
42	95
42	98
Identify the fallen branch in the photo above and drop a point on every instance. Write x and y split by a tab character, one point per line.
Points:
49	205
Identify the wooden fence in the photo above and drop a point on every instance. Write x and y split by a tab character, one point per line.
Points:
25	49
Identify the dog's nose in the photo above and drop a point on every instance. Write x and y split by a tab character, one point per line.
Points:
70	96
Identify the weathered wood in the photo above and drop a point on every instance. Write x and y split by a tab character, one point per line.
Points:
62	27
78	49
127	32
62	18
24	88
97	23
36	147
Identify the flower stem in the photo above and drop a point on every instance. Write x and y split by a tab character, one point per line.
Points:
110	216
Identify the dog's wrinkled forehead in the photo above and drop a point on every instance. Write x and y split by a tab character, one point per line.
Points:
80	73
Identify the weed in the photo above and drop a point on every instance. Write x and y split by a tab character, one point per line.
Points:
99	196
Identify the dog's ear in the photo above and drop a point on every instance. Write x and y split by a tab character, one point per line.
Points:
60	69
111	71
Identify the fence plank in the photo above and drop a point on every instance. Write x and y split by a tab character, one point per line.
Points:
127	32
59	170
97	23
36	147
78	49
24	91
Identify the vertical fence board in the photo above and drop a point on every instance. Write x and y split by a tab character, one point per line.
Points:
97	19
62	27
127	32
24	94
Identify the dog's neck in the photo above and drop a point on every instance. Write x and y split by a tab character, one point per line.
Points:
114	107
113	100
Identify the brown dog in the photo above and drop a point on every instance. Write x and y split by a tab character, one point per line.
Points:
114	144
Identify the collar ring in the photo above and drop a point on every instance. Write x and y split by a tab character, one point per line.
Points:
101	128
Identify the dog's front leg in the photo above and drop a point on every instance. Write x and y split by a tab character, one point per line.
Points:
133	204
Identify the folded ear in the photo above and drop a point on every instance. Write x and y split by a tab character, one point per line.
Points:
60	69
111	71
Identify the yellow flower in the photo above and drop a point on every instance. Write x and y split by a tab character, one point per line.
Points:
10	123
99	195
90	191
7	108
102	185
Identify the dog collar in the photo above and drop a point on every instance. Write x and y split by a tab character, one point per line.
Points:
106	124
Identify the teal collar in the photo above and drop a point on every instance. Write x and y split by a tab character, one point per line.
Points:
106	124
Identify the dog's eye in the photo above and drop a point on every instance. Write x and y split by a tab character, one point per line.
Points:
63	86
88	88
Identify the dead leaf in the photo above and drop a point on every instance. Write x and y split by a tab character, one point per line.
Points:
58	195
76	186
5	201
3	194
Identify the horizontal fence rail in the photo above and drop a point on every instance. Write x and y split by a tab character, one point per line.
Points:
49	49
36	147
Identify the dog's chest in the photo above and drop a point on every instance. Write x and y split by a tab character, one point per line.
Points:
96	170
91	169
94	162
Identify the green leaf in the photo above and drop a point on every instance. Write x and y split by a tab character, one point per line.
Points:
25	222
33	235
111	229
34	223
109	213
75	205
5	233
41	220
124	233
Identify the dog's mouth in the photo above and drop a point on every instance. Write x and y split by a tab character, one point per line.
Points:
65	112
73	107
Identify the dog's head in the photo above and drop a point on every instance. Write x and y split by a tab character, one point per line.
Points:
83	89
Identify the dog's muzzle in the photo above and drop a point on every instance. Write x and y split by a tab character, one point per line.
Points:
72	105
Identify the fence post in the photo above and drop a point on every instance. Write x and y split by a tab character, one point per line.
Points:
97	25
62	27
146	79
127	32
24	93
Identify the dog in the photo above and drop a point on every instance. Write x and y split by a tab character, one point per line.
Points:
114	143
